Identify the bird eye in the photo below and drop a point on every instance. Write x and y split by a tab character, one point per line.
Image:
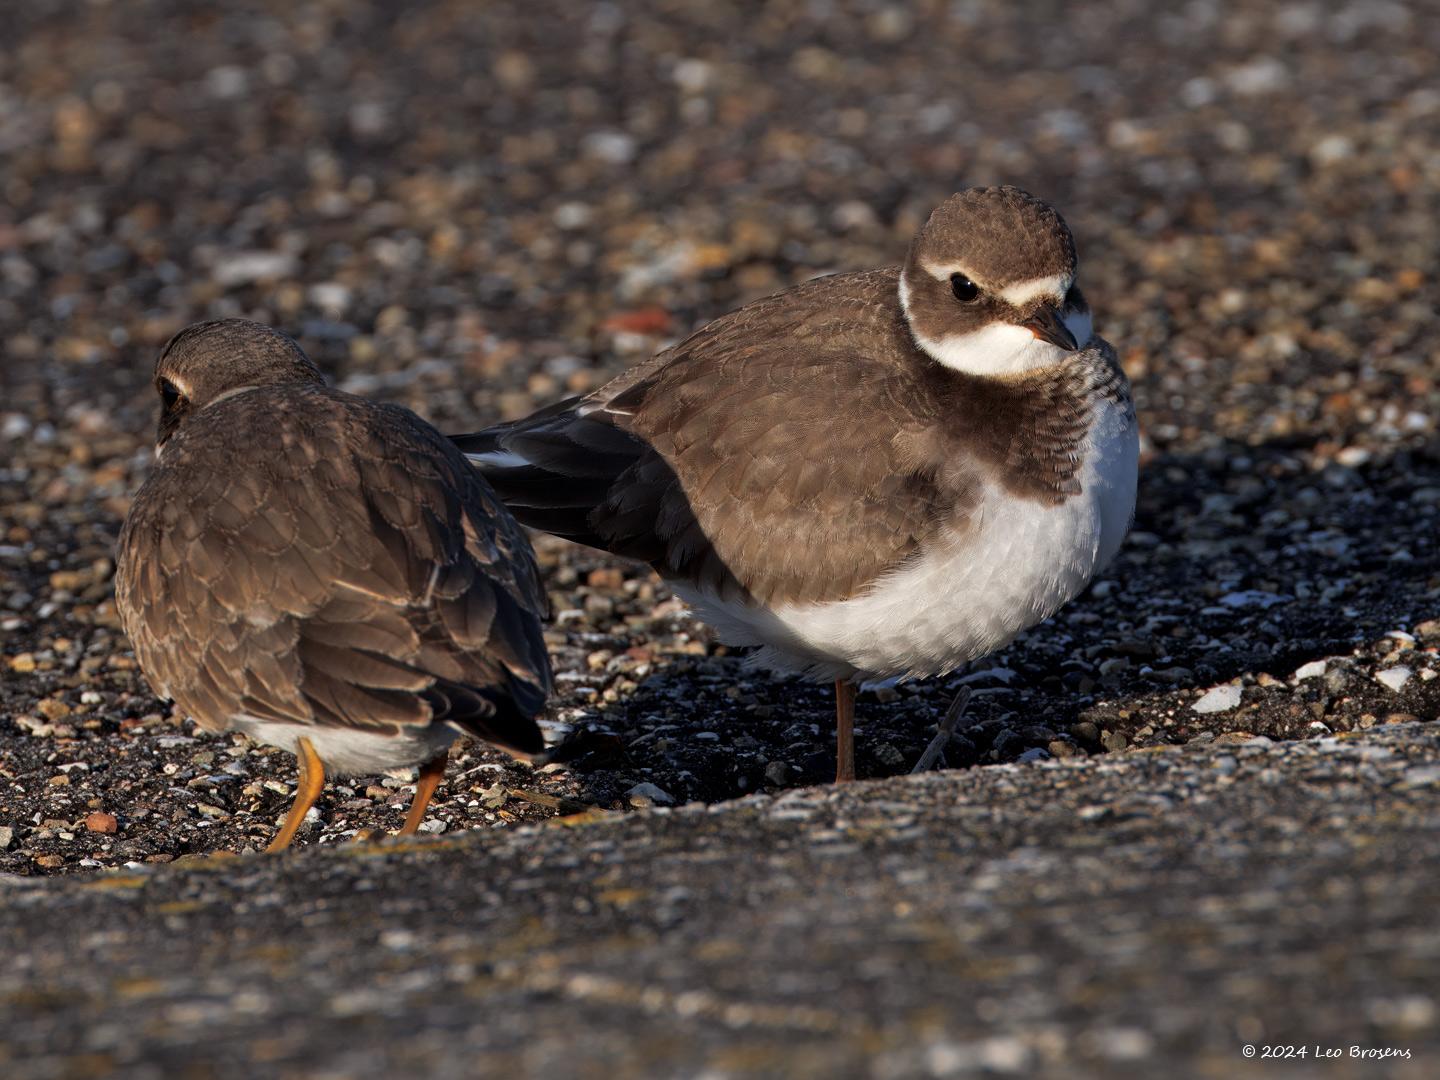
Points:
169	393
964	289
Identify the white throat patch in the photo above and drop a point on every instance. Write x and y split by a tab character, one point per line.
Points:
997	349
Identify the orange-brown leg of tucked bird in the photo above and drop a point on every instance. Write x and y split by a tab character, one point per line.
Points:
431	773
307	790
844	730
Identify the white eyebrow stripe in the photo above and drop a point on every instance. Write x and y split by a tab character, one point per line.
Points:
1019	294
1022	292
227	394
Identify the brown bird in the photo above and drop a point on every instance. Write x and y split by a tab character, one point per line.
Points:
887	473
325	574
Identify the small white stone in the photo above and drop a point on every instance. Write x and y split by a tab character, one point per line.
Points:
1198	92
1253	598
1313	670
693	76
853	214
227	82
1422	776
655	794
1264	75
15	426
1395	677
369	118
612	147
572	215
400	940
1218	699
1331	149
1123	1043
243	267
331	297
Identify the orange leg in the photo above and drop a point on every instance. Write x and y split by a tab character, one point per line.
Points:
431	773
307	790
844	730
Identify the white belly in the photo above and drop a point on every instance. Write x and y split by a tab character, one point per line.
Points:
352	751
1014	565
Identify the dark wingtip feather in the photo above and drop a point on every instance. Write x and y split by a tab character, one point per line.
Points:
479	442
502	715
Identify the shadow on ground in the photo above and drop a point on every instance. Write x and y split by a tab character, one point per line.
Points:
1246	563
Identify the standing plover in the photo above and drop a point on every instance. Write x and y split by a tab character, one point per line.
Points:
325	574
886	473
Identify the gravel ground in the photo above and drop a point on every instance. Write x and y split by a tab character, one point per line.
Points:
1144	914
474	209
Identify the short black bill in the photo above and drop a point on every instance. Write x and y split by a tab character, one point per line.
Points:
1047	325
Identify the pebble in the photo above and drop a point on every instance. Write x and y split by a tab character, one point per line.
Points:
101	822
1253	598
777	773
1422	776
611	147
656	795
331	296
1218	699
53	709
244	267
1313	670
1263	75
1395	678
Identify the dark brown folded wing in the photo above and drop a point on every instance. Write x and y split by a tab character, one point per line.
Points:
793	451
305	556
777	454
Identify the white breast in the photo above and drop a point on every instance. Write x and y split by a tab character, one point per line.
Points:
1013	565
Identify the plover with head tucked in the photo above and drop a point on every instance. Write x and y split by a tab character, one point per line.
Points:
886	473
324	574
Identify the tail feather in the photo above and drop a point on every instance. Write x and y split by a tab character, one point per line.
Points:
503	715
554	468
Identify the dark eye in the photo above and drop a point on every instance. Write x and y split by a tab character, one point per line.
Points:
169	393
964	289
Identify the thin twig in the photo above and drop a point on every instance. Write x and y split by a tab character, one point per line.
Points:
552	802
946	730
